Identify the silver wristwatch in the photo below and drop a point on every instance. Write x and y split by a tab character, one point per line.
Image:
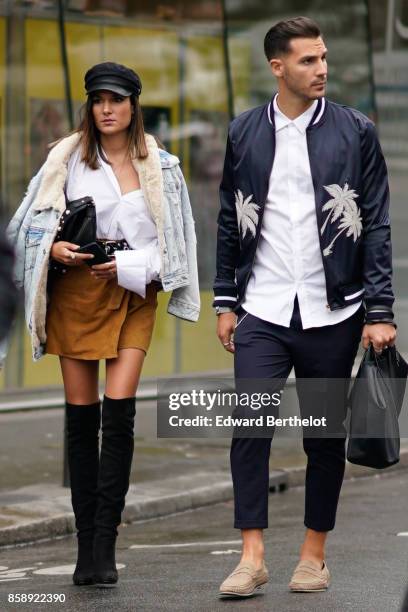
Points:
222	309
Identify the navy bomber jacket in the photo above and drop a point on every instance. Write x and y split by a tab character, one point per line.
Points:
352	201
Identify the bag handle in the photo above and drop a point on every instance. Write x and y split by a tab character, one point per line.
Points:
373	353
391	349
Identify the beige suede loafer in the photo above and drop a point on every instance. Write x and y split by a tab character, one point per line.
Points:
244	581
308	577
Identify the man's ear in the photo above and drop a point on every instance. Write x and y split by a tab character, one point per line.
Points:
276	67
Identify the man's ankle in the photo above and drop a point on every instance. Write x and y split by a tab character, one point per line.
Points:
255	557
315	558
253	547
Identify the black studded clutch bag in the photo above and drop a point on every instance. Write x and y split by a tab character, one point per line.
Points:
78	222
77	225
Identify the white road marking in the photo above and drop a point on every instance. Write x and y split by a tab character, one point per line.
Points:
62	570
58	570
18	573
16	570
13	575
230	551
402	533
186	544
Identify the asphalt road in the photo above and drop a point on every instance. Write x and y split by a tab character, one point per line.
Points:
31	450
179	561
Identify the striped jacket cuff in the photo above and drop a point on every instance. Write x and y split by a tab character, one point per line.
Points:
379	313
225	297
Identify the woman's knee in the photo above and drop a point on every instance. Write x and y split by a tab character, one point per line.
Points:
123	373
80	381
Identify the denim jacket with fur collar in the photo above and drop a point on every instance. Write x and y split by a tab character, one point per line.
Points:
33	228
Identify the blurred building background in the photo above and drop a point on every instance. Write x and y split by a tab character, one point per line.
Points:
201	62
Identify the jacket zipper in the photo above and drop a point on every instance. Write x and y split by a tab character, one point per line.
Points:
259	225
318	228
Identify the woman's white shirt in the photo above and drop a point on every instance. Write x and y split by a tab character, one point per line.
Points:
118	217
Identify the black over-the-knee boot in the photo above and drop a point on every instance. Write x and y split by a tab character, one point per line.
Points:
113	483
82	423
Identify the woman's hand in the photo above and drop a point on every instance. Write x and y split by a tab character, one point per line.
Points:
64	252
105	271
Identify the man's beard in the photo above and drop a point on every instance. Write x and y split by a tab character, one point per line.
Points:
302	93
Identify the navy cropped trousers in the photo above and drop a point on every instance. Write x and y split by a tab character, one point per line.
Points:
266	351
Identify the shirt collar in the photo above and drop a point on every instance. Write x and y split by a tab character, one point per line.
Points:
301	122
107	168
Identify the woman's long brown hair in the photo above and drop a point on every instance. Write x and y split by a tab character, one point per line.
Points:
90	135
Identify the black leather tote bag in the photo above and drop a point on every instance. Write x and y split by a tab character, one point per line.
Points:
375	401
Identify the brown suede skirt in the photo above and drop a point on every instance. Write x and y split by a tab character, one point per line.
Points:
89	318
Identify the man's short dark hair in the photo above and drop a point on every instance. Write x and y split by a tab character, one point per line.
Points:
277	39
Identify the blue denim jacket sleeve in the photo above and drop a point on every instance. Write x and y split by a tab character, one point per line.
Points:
16	234
185	301
18	226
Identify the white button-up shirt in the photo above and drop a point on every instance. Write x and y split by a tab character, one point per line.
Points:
118	217
288	259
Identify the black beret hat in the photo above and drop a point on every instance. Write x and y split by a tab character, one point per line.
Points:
113	77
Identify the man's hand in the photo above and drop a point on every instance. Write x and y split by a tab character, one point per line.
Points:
380	335
225	330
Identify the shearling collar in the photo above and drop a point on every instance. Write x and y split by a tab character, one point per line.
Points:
51	190
151	183
51	195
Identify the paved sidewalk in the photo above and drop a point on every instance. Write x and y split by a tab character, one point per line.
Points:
167	476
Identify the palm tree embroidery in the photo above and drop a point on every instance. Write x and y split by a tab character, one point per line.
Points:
342	205
342	198
351	221
247	215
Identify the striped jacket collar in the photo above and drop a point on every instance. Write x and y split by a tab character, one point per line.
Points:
317	115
